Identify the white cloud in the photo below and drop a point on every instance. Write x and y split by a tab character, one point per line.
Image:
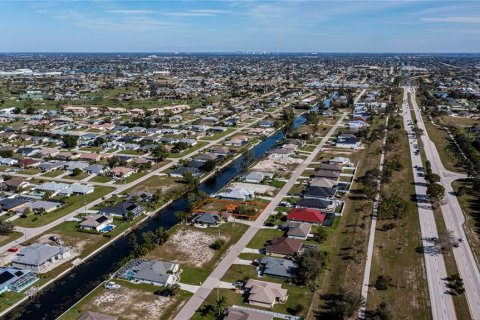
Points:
128	11
197	13
459	19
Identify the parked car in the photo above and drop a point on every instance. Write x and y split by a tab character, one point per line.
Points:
13	249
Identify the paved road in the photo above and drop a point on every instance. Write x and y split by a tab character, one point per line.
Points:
213	280
441	302
454	218
371	238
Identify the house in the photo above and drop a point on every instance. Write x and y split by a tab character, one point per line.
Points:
28	152
237	141
16	280
8	161
237	193
28	163
298	230
318	193
265	294
123	209
348	141
77	188
278	267
50	166
89	315
154	272
207	220
180	172
308	215
266	124
121	172
97	169
14	184
256	177
13	203
246	314
39	256
284	247
41	205
220	151
140	196
51	186
319	204
72	165
333	175
95	221
329	166
322	182
340	160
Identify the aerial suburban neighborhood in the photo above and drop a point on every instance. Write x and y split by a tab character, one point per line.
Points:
238	186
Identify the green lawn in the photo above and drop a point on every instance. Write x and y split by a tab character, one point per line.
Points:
262	237
11	237
79	177
53	174
101	179
71	204
134	176
199	145
31	171
218	135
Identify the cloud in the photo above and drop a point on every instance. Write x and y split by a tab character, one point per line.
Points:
459	19
197	13
130	11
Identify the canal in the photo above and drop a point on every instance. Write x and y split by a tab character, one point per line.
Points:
65	292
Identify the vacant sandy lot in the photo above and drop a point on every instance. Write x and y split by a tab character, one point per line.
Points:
187	246
129	303
258	188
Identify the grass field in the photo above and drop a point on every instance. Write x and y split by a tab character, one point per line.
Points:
53	174
262	237
11	237
71	204
395	252
101	179
348	239
470	204
441	139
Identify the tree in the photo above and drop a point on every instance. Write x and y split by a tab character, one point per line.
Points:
209	165
6	228
289	118
183	216
76	172
310	265
383	282
384	312
248	156
435	192
159	153
392	207
218	244
446	240
220	305
347	304
69	141
47	195
456	283
190	180
99	141
320	235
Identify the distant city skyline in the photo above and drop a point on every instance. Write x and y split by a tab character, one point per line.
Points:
240	26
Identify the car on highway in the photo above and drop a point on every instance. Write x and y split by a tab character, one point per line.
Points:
461	239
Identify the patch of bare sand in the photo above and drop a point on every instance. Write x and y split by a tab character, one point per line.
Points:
132	304
193	246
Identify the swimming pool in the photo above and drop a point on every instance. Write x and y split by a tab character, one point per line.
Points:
107	228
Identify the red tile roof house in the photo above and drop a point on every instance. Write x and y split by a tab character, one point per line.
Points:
308	215
27	163
284	247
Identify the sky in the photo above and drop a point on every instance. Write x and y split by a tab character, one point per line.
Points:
241	25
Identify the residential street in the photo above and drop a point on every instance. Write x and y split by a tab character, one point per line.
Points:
454	218
213	280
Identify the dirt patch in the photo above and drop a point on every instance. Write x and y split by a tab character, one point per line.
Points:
187	246
73	243
130	304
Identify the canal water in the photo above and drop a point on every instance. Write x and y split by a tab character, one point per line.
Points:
65	292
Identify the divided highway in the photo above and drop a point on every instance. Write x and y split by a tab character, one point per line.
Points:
453	216
441	301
